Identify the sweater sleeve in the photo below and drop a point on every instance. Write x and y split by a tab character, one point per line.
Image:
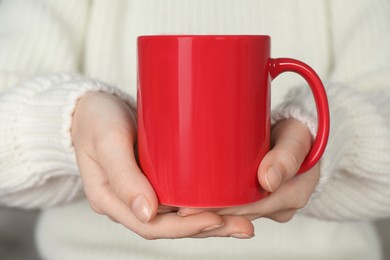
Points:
37	162
355	169
40	37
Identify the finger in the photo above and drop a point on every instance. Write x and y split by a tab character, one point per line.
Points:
292	141
168	225
166	209
191	211
293	194
234	226
94	180
104	201
116	156
283	216
266	206
171	225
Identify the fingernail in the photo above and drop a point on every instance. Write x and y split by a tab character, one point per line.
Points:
181	214
213	227
273	178
141	208
241	235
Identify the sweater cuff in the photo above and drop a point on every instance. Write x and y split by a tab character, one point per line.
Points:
347	166
36	145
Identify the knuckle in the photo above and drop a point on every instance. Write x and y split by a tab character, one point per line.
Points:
120	185
284	217
113	219
95	207
93	201
253	216
288	161
145	231
96	200
299	200
147	235
300	203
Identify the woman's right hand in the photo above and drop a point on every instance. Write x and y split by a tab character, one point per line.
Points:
104	133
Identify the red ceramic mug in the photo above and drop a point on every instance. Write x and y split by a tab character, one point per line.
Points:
204	116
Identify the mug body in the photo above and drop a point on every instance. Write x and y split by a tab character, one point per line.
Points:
203	117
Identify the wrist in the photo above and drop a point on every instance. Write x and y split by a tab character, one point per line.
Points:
96	108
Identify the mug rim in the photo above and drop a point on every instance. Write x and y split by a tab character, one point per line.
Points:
230	36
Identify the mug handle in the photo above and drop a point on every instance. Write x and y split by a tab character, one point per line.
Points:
280	65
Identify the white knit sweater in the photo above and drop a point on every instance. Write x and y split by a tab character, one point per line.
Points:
346	42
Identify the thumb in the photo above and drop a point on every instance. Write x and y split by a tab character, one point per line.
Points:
291	143
127	180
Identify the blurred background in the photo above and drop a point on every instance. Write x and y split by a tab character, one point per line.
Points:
17	235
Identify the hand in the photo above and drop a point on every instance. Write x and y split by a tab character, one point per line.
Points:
103	134
291	142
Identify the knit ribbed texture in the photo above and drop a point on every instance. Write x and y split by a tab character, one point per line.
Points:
355	169
364	134
38	166
346	42
48	37
56	36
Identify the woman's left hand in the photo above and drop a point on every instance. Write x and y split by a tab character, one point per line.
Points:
277	173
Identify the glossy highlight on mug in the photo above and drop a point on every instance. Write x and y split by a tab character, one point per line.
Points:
204	116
